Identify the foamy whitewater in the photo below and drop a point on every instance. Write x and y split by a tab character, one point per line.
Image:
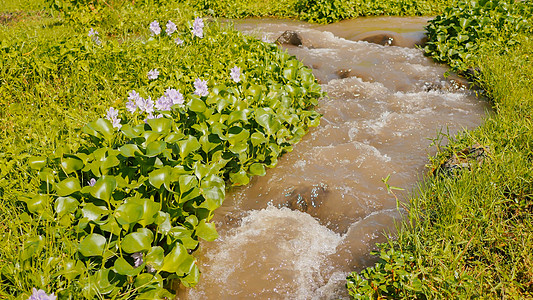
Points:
298	231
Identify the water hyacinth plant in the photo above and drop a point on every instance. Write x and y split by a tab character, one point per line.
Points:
136	196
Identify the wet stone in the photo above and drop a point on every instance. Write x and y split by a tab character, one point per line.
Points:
306	199
381	39
463	159
290	37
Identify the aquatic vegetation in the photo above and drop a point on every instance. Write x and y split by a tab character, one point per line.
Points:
135	190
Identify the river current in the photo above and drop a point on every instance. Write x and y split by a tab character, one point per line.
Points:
297	232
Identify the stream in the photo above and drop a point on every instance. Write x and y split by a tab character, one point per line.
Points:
297	232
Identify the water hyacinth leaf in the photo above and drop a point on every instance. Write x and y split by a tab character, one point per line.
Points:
156	294
71	164
122	267
68	186
137	241
150	210
239	178
47	175
111	226
105	281
65	205
104	127
109	162
187	146
129	150
72	268
160	125
155	148
257	169
192	278
37	162
37	203
213	190
162	220
155	257
147	280
161	176
92	212
187	182
258	138
128	213
237	116
174	259
92	245
186	266
32	246
206	231
197	105
104	187
132	132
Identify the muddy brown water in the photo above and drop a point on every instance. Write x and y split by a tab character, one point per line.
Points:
298	231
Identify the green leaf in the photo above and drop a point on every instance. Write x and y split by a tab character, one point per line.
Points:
155	257
148	280
161	176
104	127
129	150
71	164
137	241
155	148
128	213
206	231
38	203
197	105
109	162
104	187
37	162
124	268
189	145
257	169
65	205
32	246
68	186
174	259
150	210
160	125
111	226
92	245
92	212
187	182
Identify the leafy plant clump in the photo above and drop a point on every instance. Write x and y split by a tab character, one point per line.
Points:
133	200
462	29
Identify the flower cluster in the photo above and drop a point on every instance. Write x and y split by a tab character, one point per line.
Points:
236	74
198	27
201	87
153	74
94	35
155	28
148	106
112	115
41	295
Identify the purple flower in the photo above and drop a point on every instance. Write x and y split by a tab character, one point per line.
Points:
151	116
146	105
92	32
137	259
236	74
154	28
201	87
198	27
133	98
41	295
91	182
112	115
163	103
179	41
94	35
153	74
171	28
175	96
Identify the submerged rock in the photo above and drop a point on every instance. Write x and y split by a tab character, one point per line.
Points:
306	199
290	37
383	39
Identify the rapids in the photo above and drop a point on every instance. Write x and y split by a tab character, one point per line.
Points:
298	231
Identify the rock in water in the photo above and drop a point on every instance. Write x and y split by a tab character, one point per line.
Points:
290	37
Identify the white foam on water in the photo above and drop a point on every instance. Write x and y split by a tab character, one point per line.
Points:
292	245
